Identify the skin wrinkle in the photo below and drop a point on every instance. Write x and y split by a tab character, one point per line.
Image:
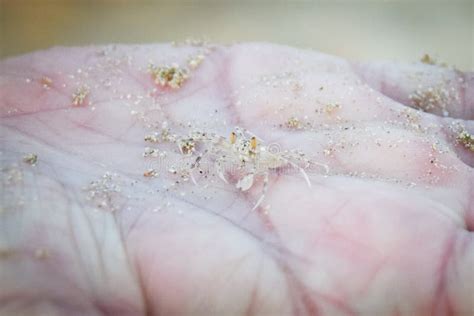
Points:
441	299
89	127
467	240
23	133
60	92
309	305
229	103
24	114
337	237
81	260
236	225
251	309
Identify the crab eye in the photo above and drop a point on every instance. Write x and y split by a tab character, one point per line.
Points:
233	137
253	143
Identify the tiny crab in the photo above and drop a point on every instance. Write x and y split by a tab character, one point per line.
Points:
244	153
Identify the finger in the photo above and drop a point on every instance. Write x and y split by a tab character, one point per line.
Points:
431	88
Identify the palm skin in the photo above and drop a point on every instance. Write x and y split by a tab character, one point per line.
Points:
387	231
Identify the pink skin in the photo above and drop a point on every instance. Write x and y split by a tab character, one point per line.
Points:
387	232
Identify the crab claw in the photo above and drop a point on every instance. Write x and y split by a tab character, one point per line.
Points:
246	182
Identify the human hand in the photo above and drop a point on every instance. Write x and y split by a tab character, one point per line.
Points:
91	226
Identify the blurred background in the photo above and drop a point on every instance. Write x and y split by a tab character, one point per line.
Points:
359	30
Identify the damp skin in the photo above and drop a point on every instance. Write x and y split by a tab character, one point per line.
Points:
133	177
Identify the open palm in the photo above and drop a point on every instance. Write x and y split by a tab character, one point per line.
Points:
95	226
